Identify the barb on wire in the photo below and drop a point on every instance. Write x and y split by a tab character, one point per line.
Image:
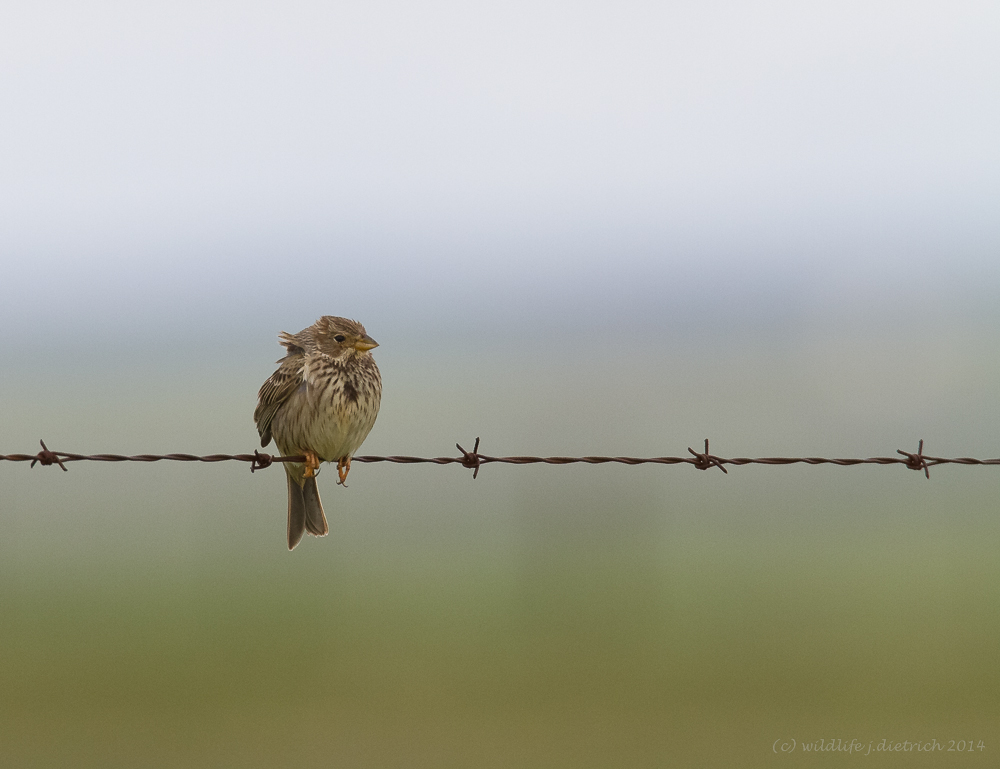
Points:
917	461
260	461
47	457
473	460
706	460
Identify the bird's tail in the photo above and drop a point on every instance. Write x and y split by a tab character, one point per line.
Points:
305	511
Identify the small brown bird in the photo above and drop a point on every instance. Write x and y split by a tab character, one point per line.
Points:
321	403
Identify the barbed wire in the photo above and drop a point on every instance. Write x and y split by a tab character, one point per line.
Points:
701	460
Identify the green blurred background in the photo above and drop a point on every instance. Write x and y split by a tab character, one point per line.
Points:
537	616
585	227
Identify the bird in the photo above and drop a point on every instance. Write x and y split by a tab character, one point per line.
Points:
321	403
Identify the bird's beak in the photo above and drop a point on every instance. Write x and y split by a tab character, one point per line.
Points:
365	343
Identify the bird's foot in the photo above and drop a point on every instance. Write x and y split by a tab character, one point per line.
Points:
312	463
343	468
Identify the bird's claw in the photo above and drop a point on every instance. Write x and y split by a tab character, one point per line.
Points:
343	468
312	463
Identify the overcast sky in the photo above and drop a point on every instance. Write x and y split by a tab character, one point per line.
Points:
376	157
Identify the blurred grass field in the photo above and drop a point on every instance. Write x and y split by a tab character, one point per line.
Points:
536	617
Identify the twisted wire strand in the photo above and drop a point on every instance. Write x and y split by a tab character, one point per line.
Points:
474	460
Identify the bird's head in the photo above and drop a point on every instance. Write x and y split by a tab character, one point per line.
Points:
342	337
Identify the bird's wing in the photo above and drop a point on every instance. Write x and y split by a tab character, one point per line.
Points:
278	389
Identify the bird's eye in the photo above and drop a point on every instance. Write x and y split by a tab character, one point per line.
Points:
340	337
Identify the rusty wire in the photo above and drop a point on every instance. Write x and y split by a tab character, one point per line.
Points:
473	460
